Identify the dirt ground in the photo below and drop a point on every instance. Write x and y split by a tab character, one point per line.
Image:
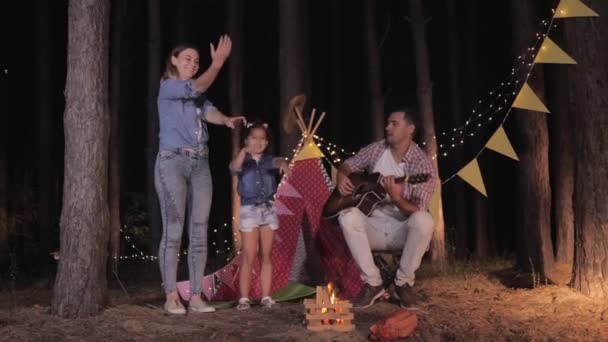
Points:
461	305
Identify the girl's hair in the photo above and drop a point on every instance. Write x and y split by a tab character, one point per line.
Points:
253	125
170	69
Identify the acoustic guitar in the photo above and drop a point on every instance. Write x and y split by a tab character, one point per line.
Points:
368	193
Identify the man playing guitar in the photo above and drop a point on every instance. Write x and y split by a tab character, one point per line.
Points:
403	221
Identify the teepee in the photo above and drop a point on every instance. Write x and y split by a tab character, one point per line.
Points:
299	202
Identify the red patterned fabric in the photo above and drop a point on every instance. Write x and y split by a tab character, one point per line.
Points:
310	180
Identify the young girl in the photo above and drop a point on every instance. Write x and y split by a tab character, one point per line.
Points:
257	186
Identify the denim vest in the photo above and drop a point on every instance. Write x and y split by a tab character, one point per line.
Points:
257	182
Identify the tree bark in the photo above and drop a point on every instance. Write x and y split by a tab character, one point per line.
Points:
46	171
4	224
336	87
80	286
456	93
235	90
588	38
291	62
374	69
535	250
117	52
425	100
154	73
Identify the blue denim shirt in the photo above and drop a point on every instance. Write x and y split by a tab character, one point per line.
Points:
257	182
182	122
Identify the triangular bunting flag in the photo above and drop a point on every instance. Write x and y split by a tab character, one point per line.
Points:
287	190
281	208
573	8
500	143
526	99
472	175
434	204
549	52
310	151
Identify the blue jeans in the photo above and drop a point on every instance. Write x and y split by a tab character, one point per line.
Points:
183	181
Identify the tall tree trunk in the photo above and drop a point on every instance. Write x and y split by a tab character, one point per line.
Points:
335	87
561	160
480	204
46	174
588	38
118	20
535	245
80	286
154	73
456	94
291	62
374	69
425	100
183	21
4	224
235	89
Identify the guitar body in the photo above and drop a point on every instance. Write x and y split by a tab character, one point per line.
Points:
368	193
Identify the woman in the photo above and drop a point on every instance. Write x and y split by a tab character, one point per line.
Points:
182	175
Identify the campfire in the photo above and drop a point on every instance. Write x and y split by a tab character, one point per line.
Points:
327	312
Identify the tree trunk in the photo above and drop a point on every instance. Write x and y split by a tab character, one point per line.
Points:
291	62
235	89
374	69
535	245
336	87
154	73
588	38
4	225
456	93
184	21
425	100
118	21
46	174
80	286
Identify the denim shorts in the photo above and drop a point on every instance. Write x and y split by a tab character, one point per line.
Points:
256	215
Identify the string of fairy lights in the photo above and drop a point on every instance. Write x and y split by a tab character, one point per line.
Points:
496	106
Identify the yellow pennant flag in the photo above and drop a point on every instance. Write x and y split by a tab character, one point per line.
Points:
549	52
500	143
310	151
472	175
573	8
435	200
526	99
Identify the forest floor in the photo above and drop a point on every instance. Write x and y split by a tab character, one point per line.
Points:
464	302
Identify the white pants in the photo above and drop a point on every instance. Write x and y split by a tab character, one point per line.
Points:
382	232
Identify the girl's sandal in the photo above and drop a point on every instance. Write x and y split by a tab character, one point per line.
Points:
244	304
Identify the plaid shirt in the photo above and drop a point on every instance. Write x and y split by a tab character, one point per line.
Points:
415	161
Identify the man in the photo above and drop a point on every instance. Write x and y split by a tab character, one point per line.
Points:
402	222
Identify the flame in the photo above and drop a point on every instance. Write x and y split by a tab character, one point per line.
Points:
323	310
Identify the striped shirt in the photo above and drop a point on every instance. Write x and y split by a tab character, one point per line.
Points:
415	162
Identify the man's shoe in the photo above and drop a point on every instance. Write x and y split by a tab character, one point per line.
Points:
368	296
407	297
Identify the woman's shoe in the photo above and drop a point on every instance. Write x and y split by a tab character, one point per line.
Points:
174	307
200	306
